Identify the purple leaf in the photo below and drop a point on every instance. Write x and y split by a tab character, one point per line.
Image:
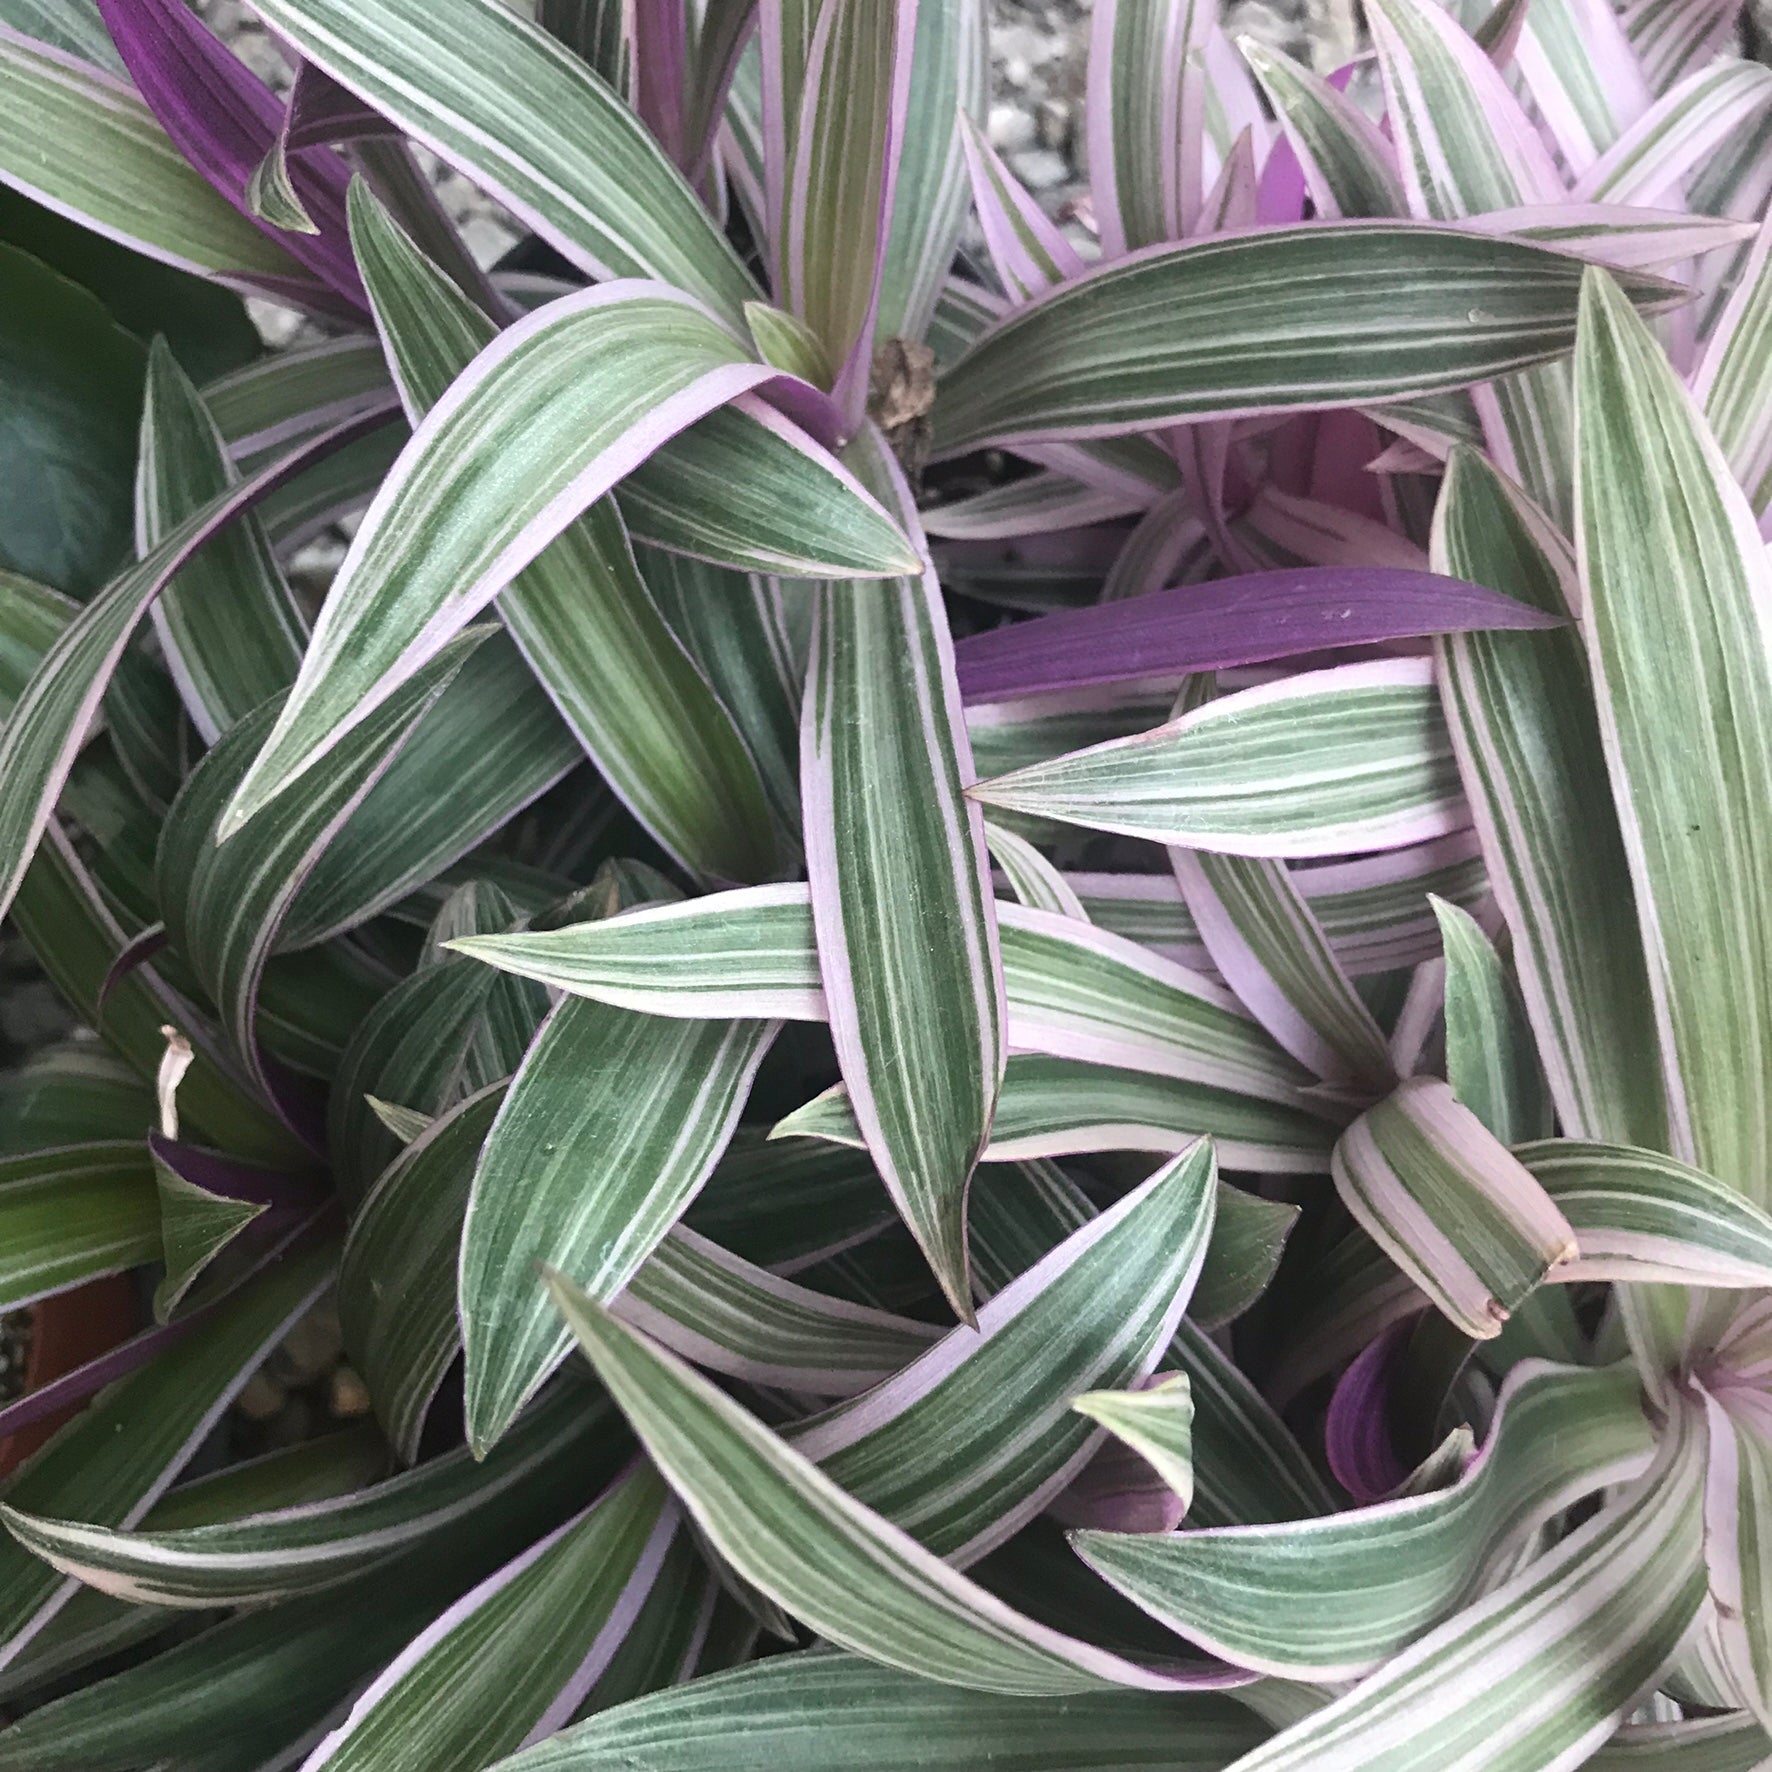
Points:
1357	1435
224	121
1238	621
322	112
231	1179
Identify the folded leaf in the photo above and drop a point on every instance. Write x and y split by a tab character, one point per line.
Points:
1460	1215
1157	1423
71	1214
1351	758
1334	1598
1346	315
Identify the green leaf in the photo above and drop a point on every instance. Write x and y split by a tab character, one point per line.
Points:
610	1128
528	122
964	1445
67	446
196	1226
291	393
1157	1423
1055	1107
68	1092
1072	990
231	631
1520	711
1288	317
223	905
206	325
115	170
1638	1215
900	884
262	1557
1543	1669
1491	1061
71	1214
528	1647
1448	1203
1334	1598
543	422
837	1565
778	1716
580	611
1325	762
1679	599
1734	364
114	1460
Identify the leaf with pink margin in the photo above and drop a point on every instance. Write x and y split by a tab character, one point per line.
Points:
1678	135
1248	620
225	121
1026	247
1730	380
1583	76
1625	235
546	419
50	721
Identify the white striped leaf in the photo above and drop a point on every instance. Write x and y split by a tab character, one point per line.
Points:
516	1656
1737	1507
1036	882
1334	1598
961	1475
1733	1743
1311	316
1618	233
777	1715
501	101
1491	1061
120	1454
900	885
948	85
580	610
1247	1467
1583	76
1373	909
50	721
1027	248
1519	707
1351	758
1448	1203
113	169
836	105
1147	101
1732	373
397	1294
1157	1423
72	1213
1678	624
283	397
835	1564
231	632
1677	135
196	1225
540	425
1073	990
1638	1215
1349	167
1056	1107
263	1557
223	905
1036	505
610	1128
1467	146
1540	1672
1272	952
